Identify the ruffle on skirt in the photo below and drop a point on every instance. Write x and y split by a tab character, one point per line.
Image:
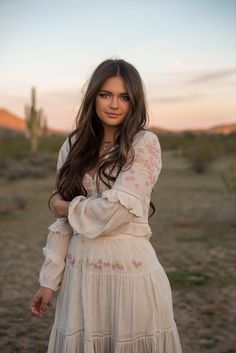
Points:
166	341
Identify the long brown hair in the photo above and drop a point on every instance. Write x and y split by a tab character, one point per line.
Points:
89	132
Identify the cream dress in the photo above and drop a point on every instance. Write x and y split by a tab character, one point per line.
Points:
113	294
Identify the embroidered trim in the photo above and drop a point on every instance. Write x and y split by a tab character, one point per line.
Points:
115	265
101	265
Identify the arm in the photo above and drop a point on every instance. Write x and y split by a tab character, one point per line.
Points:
128	198
57	242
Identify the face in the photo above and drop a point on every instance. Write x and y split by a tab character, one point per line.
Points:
112	102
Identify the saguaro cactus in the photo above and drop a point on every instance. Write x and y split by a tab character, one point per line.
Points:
33	120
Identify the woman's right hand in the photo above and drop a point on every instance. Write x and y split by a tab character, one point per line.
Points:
41	301
59	206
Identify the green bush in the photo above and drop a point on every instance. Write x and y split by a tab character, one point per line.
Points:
200	154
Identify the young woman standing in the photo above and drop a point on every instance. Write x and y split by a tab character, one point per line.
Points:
114	295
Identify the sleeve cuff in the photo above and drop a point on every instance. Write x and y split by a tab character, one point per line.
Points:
61	225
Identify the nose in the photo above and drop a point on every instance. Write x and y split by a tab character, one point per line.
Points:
114	103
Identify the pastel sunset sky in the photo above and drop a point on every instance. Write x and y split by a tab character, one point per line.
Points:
185	51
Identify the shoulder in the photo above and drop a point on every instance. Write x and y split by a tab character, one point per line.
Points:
65	147
144	137
63	152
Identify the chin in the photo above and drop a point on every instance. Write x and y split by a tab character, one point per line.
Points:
113	122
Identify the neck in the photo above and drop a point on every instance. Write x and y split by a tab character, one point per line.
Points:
109	133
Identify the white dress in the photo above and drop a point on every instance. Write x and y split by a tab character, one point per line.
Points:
114	295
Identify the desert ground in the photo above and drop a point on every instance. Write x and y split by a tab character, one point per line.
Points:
194	236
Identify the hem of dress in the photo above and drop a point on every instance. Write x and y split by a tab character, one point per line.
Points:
164	341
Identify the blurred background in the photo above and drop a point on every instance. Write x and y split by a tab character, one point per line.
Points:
185	51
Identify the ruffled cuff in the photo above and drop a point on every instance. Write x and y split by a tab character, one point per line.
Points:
61	225
51	274
51	271
129	201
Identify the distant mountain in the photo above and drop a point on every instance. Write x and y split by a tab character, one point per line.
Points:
217	129
11	121
161	130
224	128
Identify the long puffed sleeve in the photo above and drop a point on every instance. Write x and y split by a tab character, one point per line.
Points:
58	238
128	198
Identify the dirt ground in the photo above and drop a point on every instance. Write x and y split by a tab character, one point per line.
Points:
194	232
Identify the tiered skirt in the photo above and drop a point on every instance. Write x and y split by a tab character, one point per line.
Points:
115	297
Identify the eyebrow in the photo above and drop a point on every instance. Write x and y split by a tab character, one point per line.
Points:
123	93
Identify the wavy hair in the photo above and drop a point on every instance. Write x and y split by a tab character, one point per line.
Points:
89	133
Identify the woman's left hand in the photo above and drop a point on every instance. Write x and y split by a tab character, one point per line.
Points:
59	206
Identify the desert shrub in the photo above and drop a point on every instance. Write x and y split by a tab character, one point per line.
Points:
17	161
29	167
228	176
13	169
229	143
51	143
224	144
17	146
200	153
11	204
14	148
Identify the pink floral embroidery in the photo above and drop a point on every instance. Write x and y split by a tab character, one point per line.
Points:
144	168
129	178
116	265
69	259
136	263
141	150
101	265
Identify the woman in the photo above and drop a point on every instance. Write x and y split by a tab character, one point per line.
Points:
114	295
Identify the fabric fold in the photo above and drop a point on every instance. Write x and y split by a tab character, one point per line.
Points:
132	203
83	215
53	257
52	270
164	341
61	225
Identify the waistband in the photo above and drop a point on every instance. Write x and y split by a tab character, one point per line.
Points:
114	236
121	236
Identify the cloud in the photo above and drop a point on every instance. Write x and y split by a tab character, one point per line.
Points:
176	99
213	75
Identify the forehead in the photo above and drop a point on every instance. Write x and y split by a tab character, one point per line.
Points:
114	84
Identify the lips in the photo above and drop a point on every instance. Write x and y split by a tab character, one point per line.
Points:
112	114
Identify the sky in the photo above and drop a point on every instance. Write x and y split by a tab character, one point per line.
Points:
184	50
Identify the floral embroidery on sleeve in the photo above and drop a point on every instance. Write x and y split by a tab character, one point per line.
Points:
146	165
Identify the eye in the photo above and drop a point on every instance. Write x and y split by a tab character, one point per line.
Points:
103	95
126	98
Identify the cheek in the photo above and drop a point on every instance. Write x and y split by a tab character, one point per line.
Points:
127	107
100	104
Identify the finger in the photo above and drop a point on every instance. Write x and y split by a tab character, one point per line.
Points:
35	305
44	307
35	310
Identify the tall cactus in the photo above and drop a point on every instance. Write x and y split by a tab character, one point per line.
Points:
33	120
